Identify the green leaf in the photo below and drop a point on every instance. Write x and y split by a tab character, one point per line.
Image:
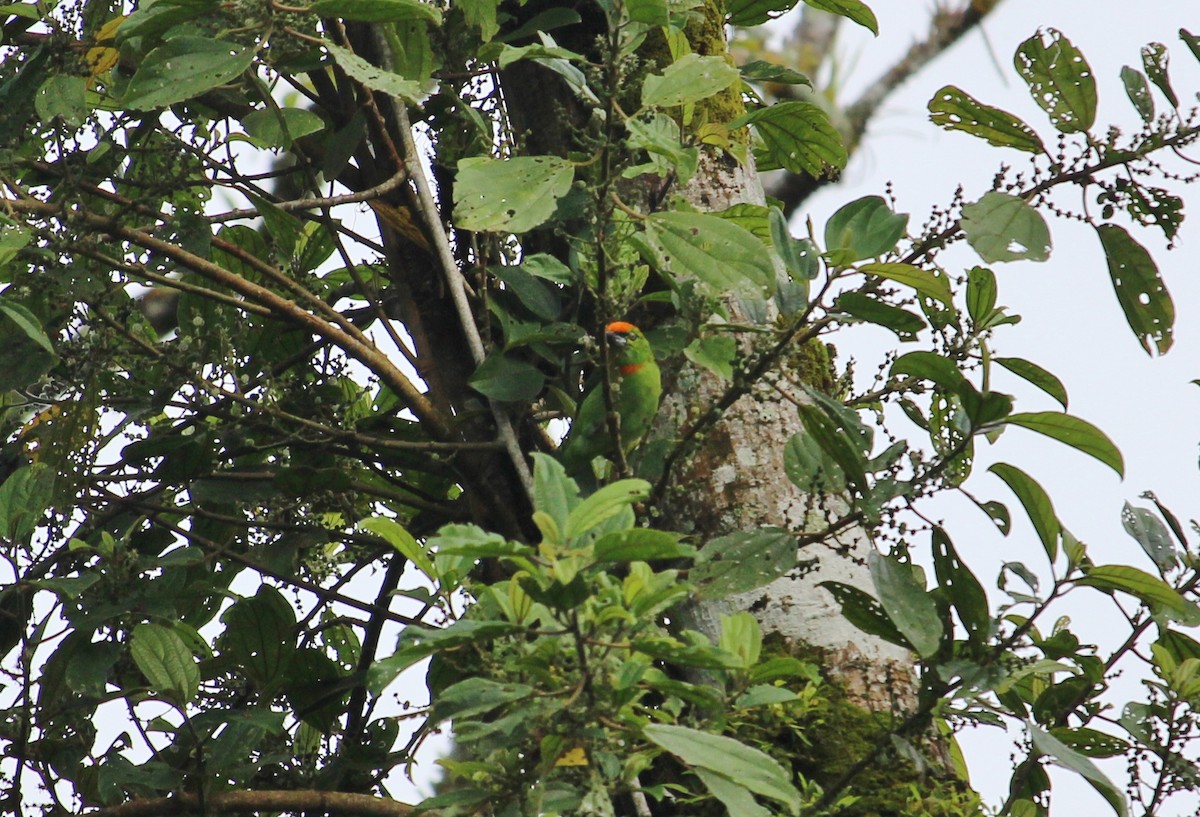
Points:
865	613
933	367
475	696
909	606
182	68
797	136
1090	742
754	12
716	353
404	542
260	636
376	78
1155	60
738	800
742	561
749	767
929	283
482	15
852	9
905	324
1059	79
554	493
689	79
981	295
24	497
537	297
311	687
723	255
1036	502
1077	433
866	228
762	71
1143	296
837	444
377	11
65	96
1151	534
509	195
603	504
507	380
281	127
1001	227
1068	758
954	109
800	256
649	12
1138	92
1191	41
640	544
959	583
1036	375
809	468
416	643
25	351
166	662
1149	589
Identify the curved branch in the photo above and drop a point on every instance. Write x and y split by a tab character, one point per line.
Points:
340	804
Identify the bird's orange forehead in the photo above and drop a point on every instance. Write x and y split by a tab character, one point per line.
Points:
620	327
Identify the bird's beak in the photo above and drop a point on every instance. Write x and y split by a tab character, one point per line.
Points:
616	338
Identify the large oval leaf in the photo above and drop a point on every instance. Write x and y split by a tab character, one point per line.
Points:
182	68
688	79
509	195
1143	296
1001	227
797	136
722	254
1059	79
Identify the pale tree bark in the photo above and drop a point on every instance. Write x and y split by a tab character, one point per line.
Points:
734	480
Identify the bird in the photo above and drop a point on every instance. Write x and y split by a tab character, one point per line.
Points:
636	384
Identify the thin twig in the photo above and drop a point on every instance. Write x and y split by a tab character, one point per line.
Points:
458	288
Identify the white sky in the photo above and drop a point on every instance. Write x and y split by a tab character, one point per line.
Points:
1072	323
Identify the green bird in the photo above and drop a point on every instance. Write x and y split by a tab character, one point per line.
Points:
636	389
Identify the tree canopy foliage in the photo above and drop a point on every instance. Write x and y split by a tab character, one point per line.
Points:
294	301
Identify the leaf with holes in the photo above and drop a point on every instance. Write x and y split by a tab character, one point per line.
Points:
954	109
1059	79
1155	61
722	254
691	78
1143	296
1151	534
797	136
1138	92
509	195
182	68
1001	227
